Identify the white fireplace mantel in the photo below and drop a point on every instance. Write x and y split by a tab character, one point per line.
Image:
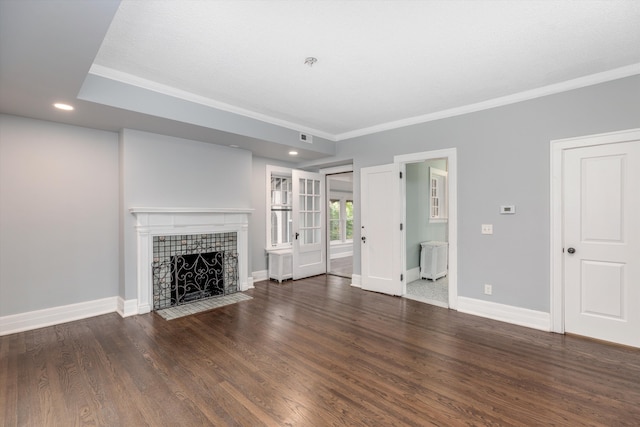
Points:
161	221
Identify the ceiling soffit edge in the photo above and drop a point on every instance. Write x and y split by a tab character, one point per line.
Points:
122	77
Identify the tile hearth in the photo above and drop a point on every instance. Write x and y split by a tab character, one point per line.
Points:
201	305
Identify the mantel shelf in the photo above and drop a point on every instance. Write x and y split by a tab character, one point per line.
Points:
150	210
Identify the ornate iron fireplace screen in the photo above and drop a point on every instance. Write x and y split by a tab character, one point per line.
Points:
196	276
189	268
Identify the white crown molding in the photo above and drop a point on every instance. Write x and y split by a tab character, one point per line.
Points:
605	76
593	79
56	315
505	313
130	79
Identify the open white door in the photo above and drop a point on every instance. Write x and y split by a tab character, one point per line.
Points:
380	232
309	249
602	242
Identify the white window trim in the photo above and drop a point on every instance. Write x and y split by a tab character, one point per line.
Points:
278	171
343	198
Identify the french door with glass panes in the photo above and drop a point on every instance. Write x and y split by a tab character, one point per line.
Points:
309	250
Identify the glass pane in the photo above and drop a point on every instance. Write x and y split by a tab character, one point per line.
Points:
349	229
334	230
309	220
308	237
287	226
316	219
316	187
349	209
274	228
309	203
309	186
316	235
316	203
334	209
302	199
302	186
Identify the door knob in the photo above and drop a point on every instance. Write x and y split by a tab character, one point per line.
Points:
364	239
297	235
571	250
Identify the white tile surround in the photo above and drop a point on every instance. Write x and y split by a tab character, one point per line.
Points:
152	222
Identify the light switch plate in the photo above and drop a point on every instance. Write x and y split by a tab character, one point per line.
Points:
508	209
487	228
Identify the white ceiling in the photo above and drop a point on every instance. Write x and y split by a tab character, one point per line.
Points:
380	63
233	73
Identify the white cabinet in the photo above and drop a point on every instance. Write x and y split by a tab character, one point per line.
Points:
280	264
433	260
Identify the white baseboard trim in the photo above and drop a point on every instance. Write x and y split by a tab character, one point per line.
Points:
259	276
505	313
341	255
355	281
127	308
413	275
250	283
56	315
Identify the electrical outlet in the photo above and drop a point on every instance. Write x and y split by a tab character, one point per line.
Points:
488	289
487	228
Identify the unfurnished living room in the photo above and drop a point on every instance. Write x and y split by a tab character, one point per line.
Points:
310	213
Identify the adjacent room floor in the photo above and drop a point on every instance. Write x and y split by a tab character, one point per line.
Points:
342	266
429	291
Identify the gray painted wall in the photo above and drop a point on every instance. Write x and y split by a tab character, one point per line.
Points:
68	176
163	171
503	157
58	214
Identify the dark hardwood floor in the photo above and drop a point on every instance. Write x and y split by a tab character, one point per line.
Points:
314	352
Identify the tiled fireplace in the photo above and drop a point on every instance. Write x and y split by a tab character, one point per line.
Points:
185	254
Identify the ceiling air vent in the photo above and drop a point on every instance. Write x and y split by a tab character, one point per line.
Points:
306	138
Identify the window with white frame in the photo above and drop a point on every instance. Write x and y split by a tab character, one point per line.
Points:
437	195
340	219
280	229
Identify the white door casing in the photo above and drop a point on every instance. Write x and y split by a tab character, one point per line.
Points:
380	229
596	237
308	210
452	204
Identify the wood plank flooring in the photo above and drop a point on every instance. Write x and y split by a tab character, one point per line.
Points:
314	352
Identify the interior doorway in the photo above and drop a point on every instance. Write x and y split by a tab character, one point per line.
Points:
340	224
429	214
427	236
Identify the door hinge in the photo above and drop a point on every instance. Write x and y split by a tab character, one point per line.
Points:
401	277
400	174
400	226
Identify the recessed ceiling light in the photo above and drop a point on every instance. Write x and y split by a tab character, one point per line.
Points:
61	106
293	153
234	146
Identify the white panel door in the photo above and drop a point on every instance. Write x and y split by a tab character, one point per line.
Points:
309	250
380	232
601	191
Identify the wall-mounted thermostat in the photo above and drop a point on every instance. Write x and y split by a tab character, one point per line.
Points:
507	209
